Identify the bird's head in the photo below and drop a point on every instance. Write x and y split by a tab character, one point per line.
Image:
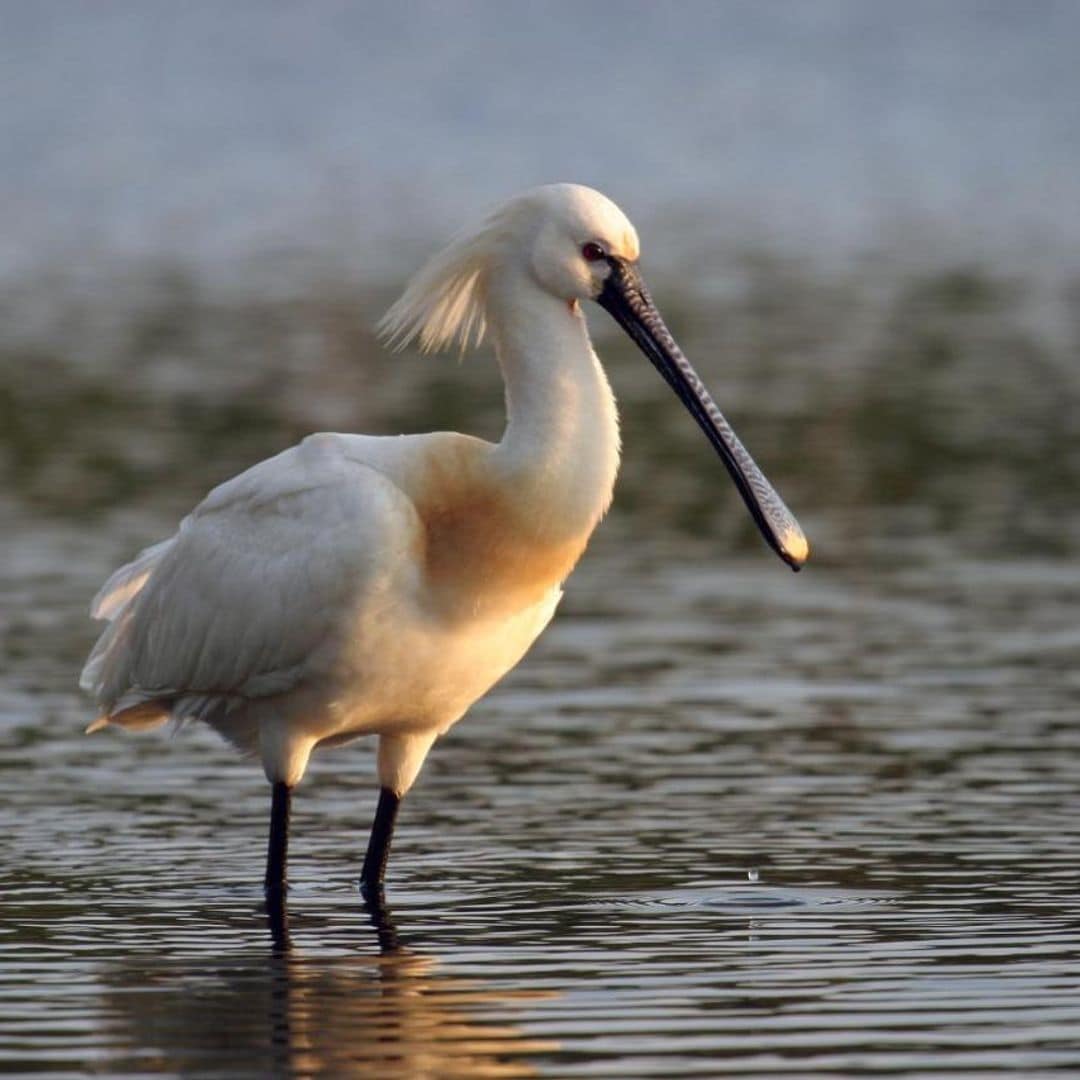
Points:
569	236
576	244
563	237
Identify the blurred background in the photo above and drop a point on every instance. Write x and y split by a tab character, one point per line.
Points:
723	818
859	218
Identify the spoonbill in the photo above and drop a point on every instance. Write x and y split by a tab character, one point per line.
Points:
357	585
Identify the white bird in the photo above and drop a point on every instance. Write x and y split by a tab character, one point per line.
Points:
356	585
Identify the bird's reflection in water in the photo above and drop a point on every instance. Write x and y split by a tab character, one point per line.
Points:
387	1013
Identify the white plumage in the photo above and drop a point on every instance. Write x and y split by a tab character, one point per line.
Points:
355	585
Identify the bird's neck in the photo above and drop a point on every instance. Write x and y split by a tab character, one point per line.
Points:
558	457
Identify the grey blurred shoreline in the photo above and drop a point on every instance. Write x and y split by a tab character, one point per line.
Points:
889	398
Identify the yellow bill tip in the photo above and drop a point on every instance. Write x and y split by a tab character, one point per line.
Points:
795	548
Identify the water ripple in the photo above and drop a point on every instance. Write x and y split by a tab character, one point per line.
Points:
651	853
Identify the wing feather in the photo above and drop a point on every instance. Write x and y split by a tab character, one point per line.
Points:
253	594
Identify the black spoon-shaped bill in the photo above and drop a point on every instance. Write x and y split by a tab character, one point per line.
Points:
626	298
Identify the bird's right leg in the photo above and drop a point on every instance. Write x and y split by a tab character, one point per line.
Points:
378	849
399	760
277	851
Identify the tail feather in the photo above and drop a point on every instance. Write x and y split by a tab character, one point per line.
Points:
125	583
143	717
114	604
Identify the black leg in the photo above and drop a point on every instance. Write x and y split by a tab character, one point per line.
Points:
277	919
383	922
378	849
277	852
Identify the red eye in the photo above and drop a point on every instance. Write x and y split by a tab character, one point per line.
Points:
593	252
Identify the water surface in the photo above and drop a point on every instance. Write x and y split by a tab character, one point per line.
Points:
724	820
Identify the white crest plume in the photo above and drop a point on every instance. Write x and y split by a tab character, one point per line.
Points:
445	301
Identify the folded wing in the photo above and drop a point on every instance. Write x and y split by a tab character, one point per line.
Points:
254	593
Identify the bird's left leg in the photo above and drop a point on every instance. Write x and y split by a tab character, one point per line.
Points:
277	851
285	750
